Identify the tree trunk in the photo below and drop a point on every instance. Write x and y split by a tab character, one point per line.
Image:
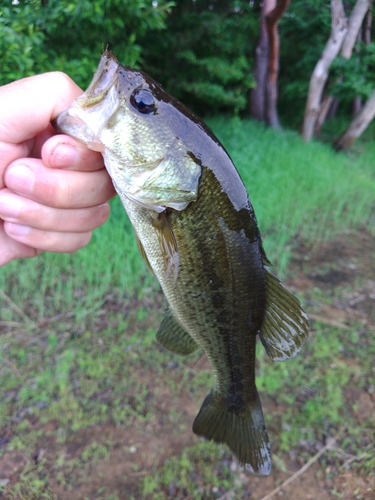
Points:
362	115
357	126
367	27
320	73
324	108
357	101
258	93
365	35
354	25
357	105
333	108
273	65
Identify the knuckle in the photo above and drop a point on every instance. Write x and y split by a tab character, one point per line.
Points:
104	211
61	192
62	81
82	239
49	241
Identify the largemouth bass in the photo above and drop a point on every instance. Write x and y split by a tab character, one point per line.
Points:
197	231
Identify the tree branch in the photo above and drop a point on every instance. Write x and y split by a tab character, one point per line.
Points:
278	11
320	74
367	27
354	25
358	125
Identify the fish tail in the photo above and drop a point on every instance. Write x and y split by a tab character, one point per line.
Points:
243	431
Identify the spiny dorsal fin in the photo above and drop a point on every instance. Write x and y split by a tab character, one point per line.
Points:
285	325
173	337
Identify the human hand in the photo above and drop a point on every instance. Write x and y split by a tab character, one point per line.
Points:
53	190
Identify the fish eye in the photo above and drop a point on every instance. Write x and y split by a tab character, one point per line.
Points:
143	101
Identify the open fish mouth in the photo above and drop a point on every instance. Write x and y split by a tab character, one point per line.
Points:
90	112
78	128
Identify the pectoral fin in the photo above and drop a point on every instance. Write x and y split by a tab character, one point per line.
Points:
143	254
285	326
173	337
168	244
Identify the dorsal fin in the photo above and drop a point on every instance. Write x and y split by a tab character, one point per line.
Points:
173	337
285	326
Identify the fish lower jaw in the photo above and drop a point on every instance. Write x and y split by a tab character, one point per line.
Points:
96	146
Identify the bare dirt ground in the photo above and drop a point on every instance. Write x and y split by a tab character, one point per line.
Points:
138	449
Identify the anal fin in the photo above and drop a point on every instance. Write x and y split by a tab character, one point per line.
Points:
173	337
285	326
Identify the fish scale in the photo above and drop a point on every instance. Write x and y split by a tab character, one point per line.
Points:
207	278
196	230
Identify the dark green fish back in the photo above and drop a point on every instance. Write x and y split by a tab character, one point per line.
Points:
219	298
197	231
221	279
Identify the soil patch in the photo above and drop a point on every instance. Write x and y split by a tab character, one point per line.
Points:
110	461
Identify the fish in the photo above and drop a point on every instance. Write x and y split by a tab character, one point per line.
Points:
197	232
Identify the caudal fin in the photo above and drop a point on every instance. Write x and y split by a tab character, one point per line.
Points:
243	431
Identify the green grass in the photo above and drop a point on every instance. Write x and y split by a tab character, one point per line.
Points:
79	350
298	188
299	191
199	470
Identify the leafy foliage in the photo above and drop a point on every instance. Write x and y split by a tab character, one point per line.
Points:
355	76
21	42
304	31
210	48
201	51
70	35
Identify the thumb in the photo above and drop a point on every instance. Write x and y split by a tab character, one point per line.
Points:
28	105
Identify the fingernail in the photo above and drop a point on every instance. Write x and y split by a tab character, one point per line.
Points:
63	155
10	205
17	229
20	178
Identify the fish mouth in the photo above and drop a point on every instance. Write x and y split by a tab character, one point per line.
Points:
87	115
104	79
70	123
